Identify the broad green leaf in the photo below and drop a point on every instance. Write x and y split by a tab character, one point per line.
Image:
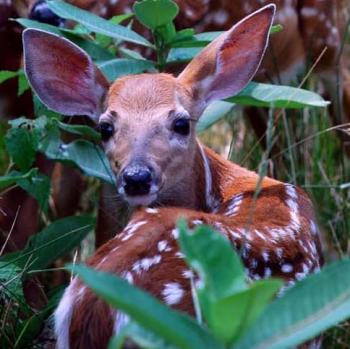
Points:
6	74
22	144
95	51
95	23
276	96
140	336
313	305
174	327
11	280
126	53
53	242
29	23
121	66
155	13
182	54
229	317
212	114
276	28
12	177
23	84
89	157
81	130
40	109
37	186
215	260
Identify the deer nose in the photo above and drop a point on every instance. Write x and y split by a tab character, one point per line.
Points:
41	13
137	180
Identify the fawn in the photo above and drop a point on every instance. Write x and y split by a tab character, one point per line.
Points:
147	123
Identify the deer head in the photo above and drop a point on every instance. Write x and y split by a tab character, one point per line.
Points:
147	121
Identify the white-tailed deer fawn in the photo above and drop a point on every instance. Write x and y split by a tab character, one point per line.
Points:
309	26
147	124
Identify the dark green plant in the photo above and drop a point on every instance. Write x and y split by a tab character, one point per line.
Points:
237	314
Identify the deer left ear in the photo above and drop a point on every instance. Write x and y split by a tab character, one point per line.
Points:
226	65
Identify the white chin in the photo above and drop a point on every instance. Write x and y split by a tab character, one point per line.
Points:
142	200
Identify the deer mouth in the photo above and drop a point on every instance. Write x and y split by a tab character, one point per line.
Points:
145	199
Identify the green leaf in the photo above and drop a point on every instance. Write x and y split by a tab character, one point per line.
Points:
276	28
140	336
229	317
121	66
95	23
89	157
6	75
276	96
174	327
11	280
81	130
95	51
155	13
23	84
22	144
38	186
212	114
215	260
12	177
29	23
53	242
313	305
182	54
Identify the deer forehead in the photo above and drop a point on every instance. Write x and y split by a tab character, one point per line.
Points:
147	96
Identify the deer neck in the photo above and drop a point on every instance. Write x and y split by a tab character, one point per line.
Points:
202	188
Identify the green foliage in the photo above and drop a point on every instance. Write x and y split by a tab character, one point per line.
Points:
21	146
53	242
237	314
155	14
176	328
95	23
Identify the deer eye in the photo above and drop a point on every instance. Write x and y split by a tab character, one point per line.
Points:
106	130
182	126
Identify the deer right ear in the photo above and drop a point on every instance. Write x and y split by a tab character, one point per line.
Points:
63	75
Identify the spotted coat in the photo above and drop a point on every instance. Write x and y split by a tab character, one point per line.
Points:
276	235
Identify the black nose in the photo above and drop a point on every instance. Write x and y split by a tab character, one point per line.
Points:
137	180
41	13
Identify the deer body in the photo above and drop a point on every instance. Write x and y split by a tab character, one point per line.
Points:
279	238
147	124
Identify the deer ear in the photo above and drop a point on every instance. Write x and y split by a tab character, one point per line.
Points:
63	75
226	65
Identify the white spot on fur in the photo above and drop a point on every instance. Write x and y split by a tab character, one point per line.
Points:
172	293
163	246
127	276
267	272
130	229
261	235
233	207
197	222
179	254
287	268
175	233
188	274
265	256
151	210
145	264
279	252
